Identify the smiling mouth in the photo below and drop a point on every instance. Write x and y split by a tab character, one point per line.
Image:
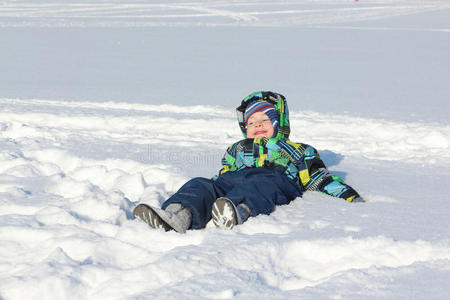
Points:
260	132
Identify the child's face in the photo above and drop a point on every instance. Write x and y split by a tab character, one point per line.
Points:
259	126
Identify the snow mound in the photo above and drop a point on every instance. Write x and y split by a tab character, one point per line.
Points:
71	173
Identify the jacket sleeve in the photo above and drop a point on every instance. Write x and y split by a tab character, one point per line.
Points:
238	156
314	176
228	160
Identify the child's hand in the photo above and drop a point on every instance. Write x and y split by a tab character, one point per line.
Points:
358	199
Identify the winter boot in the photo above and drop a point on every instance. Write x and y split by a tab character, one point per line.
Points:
226	215
175	217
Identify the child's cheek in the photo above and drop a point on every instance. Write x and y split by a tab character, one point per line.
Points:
250	133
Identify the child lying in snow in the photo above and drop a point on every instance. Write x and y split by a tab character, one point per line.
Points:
261	171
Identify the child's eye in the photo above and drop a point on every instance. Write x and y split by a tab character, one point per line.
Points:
253	123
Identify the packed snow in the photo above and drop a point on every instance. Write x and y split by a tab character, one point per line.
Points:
91	125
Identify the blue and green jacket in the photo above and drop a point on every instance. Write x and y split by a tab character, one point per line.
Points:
299	162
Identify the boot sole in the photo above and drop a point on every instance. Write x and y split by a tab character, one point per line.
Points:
224	214
149	216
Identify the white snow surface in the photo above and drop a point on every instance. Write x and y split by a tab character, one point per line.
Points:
107	104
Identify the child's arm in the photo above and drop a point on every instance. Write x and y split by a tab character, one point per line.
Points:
312	172
227	161
238	156
314	176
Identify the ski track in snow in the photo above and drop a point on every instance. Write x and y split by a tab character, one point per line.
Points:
71	172
208	13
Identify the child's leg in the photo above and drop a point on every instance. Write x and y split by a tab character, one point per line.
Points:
198	195
261	189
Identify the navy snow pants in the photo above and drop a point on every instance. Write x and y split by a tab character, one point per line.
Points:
259	188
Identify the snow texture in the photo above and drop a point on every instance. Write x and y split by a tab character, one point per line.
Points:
107	104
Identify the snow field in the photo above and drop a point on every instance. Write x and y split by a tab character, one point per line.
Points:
213	126
71	173
205	12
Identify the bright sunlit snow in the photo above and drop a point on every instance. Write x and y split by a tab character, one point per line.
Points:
107	104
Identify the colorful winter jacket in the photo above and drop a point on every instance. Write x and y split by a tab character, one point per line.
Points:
299	162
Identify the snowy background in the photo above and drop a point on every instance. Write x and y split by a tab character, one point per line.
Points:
106	104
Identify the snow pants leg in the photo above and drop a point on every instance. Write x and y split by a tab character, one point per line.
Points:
198	194
260	189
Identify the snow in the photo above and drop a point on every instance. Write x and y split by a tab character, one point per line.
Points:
108	104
